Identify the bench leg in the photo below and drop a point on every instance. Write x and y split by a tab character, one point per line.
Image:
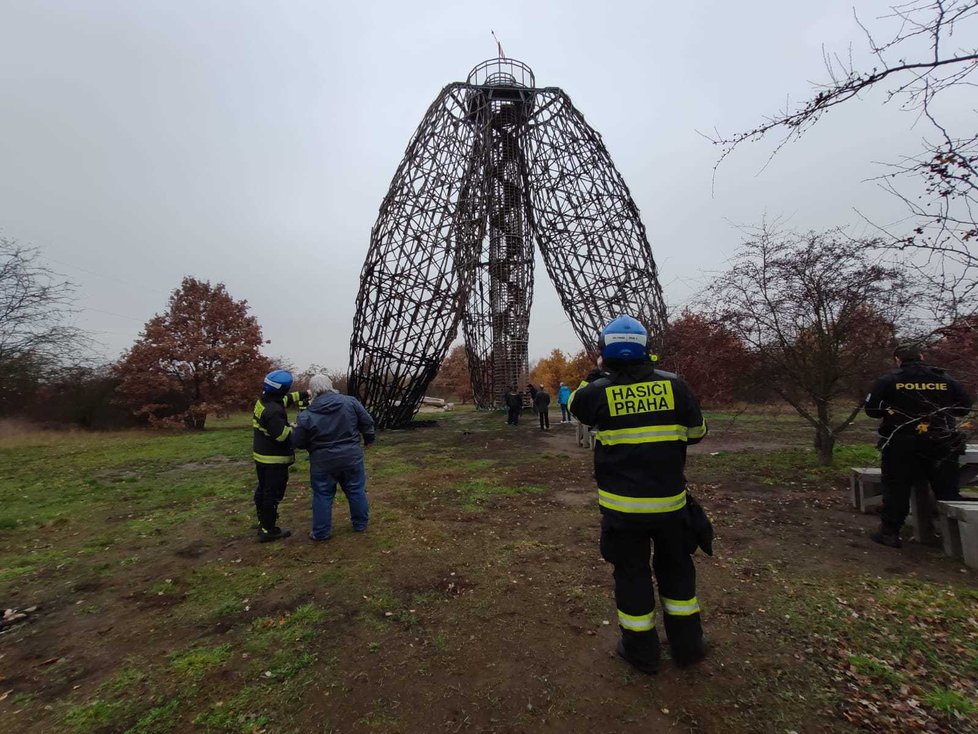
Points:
968	538
922	514
951	536
871	497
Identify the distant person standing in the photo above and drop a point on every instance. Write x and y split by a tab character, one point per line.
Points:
541	404
563	394
330	430
272	450
918	438
514	405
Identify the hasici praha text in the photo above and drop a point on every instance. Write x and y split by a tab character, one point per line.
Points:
642	397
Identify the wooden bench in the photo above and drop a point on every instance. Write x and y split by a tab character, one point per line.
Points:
959	529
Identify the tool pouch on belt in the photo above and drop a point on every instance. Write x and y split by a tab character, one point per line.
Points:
699	529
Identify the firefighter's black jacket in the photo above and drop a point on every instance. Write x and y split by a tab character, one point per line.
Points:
272	442
644	419
917	400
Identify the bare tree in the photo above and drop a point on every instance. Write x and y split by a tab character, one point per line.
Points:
817	310
928	54
36	336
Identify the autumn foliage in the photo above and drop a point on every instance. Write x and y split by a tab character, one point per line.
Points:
453	380
956	349
203	355
558	367
707	355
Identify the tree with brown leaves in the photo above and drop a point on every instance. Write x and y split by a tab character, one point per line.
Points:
707	354
203	355
453	379
558	367
817	311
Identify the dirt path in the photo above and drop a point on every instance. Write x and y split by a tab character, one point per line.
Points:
477	602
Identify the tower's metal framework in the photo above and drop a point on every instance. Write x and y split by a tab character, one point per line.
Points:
495	164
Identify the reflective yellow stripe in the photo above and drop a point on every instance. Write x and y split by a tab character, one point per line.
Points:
286	432
643	434
256	414
266	459
697	432
570	399
681	607
639	623
622	503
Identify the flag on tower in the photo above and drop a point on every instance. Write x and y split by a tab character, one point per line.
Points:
499	46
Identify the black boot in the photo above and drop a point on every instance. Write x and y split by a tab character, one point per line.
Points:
643	666
691	656
276	533
886	537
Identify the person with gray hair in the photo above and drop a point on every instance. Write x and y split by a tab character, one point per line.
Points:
330	430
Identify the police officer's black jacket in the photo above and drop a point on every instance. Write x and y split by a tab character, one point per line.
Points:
272	441
917	400
644	419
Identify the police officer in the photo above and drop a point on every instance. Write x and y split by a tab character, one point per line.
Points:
918	440
272	449
644	420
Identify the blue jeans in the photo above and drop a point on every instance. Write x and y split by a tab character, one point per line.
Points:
564	413
352	480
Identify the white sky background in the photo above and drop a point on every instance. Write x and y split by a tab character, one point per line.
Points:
252	142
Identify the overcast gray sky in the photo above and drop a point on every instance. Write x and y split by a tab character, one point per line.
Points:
252	142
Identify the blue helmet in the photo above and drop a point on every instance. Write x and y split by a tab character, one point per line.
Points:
277	382
624	338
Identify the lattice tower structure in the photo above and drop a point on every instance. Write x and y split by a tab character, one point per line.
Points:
495	164
497	320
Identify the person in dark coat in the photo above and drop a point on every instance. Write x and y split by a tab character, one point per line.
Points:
514	405
330	431
917	405
541	404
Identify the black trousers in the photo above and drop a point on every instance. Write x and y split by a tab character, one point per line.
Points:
544	419
628	548
272	480
513	417
908	460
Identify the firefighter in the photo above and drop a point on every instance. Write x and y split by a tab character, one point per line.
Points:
644	420
272	449
918	438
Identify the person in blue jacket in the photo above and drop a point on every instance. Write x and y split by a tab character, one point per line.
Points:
330	430
562	396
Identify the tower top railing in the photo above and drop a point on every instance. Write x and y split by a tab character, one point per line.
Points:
502	73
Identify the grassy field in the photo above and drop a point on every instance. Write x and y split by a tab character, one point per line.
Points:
477	601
